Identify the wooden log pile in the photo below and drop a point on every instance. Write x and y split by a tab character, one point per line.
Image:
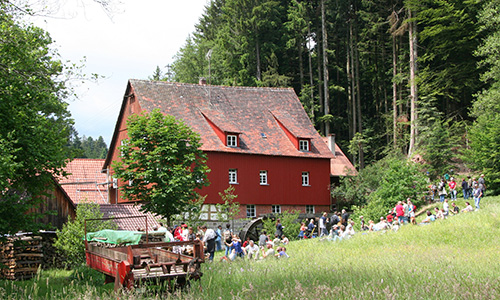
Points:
20	257
52	258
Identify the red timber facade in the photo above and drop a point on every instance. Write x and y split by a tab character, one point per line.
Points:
260	140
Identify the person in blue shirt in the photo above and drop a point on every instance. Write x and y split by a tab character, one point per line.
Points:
218	240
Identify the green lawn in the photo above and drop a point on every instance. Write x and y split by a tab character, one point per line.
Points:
456	258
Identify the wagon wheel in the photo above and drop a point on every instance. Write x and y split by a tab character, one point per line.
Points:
252	229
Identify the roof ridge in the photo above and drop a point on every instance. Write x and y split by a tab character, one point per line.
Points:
211	85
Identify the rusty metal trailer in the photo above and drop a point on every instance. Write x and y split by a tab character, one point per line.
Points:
127	266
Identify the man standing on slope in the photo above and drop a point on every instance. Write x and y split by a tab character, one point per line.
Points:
322	225
400	212
482	184
453	189
209	240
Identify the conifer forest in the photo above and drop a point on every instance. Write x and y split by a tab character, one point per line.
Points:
418	78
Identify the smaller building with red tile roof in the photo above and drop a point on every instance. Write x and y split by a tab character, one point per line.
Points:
340	165
123	213
85	182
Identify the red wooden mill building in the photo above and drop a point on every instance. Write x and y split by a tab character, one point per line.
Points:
260	140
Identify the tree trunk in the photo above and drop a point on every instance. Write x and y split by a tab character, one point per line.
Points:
320	81
301	64
311	80
353	85
358	97
394	93
413	85
350	106
326	106
257	54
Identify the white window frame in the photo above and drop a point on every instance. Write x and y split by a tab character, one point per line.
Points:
251	211
263	177
232	140
276	209
304	145
310	209
233	176
305	179
122	142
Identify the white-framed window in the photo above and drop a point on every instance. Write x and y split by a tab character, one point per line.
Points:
233	176
122	143
251	211
263	177
232	140
305	178
304	145
310	209
276	209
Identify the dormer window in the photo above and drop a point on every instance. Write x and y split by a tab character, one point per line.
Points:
232	140
304	145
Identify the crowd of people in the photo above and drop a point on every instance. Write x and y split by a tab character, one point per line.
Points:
224	239
404	212
471	188
265	249
340	224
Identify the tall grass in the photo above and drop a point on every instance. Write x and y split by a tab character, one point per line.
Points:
456	258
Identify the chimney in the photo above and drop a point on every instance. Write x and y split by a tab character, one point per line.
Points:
202	81
331	143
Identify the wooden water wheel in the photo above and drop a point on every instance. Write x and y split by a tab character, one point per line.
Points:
252	229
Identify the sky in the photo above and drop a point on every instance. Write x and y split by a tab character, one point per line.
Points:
127	44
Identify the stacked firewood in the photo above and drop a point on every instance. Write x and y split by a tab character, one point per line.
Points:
52	258
20	257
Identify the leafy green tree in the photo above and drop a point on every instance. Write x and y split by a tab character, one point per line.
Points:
34	120
161	164
70	239
228	209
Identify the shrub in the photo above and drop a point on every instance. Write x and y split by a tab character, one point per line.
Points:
290	222
70	238
399	179
353	190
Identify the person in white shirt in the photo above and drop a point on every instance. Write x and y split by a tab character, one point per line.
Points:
269	252
446	208
209	240
251	250
168	236
468	207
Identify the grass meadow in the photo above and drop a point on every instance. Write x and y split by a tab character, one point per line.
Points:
457	258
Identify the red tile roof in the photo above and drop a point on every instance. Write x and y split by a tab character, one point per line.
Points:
85	183
340	165
128	210
250	111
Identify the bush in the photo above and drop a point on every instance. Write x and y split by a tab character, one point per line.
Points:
290	222
354	190
399	179
70	240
